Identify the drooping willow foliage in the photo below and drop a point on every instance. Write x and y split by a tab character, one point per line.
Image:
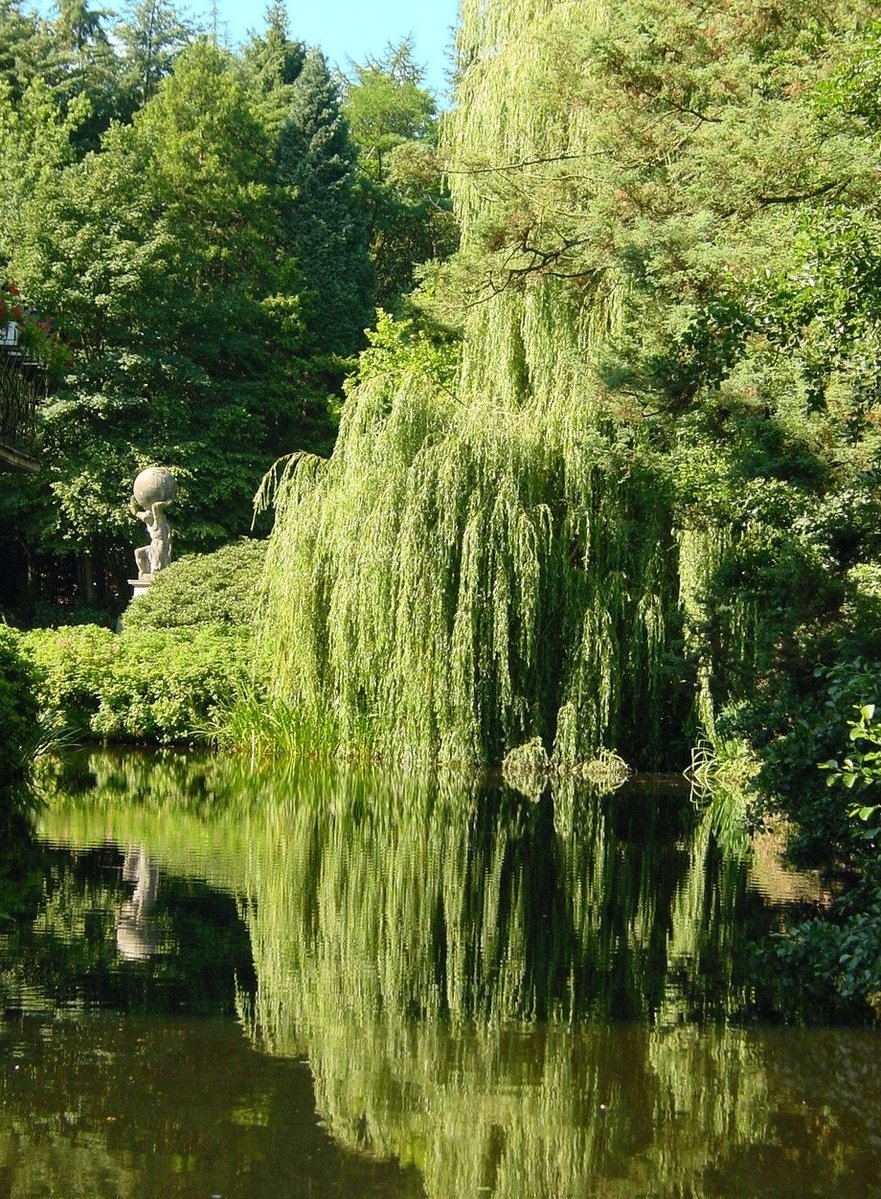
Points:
485	549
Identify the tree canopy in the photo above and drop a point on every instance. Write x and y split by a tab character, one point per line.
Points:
191	218
635	505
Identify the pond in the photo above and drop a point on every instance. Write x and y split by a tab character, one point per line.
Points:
218	981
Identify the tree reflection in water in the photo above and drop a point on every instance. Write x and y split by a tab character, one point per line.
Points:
522	997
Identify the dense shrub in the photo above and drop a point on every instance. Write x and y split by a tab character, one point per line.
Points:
203	589
73	664
804	732
18	706
819	773
159	686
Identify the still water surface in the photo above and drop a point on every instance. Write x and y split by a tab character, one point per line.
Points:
216	982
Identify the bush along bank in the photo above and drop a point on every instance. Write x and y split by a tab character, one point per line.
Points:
184	655
161	686
19	727
820	770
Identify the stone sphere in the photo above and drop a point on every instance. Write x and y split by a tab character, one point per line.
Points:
153	485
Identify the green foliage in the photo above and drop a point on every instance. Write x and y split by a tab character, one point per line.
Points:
667	390
160	685
511	565
166	684
271	62
151	34
322	222
18	707
483	550
393	119
861	770
203	589
156	252
176	262
830	968
72	665
801	732
386	102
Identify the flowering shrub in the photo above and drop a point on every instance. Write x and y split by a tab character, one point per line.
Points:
35	334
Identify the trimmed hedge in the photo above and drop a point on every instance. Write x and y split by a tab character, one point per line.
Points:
203	589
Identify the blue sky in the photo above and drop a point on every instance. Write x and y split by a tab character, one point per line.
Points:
343	29
354	28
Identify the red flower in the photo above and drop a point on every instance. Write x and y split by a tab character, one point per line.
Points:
12	289
16	313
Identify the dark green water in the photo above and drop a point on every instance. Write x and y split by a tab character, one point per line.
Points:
317	983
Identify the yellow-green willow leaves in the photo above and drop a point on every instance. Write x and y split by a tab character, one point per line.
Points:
478	552
540	520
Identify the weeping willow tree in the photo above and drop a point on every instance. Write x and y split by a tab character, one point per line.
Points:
480	552
541	534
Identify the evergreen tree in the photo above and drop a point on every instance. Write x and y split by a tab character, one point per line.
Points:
271	62
323	224
25	48
394	122
85	65
150	36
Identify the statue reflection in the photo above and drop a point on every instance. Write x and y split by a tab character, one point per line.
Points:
136	937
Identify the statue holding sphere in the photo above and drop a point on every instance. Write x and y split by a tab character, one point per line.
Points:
154	490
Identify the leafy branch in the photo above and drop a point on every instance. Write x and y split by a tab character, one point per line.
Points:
860	770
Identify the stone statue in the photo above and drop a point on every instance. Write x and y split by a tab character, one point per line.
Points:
154	489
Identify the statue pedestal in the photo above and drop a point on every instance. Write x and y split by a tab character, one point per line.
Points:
140	586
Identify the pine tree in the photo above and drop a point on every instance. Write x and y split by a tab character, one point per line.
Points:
271	62
323	224
86	66
151	35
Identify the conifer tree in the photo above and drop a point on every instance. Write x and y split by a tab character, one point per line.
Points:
85	65
25	47
271	62
394	122
323	224
150	35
